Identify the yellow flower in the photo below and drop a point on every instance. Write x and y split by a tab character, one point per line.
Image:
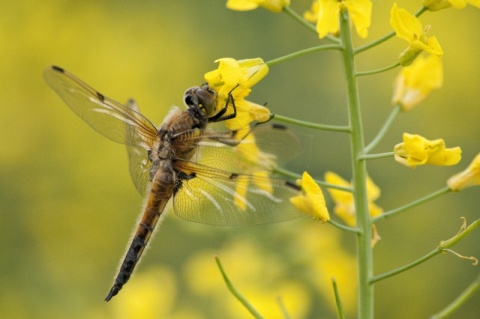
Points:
236	78
469	177
246	5
409	28
311	201
326	14
344	201
434	5
415	82
416	150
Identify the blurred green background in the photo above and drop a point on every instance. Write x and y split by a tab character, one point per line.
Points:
68	205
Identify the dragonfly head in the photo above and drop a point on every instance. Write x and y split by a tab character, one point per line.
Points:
201	100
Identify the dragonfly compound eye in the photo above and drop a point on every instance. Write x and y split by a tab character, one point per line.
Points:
206	100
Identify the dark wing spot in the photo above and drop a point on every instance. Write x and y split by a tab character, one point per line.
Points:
293	186
58	69
233	176
279	127
100	96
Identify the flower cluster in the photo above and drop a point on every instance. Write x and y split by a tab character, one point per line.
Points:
325	13
410	29
233	81
417	150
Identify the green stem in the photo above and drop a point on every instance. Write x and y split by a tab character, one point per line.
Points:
236	293
303	52
343	227
387	68
444	246
376	156
459	301
338	300
323	127
393	115
295	16
420	11
359	170
411	205
374	43
406	267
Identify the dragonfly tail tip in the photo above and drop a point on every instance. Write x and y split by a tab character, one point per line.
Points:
113	292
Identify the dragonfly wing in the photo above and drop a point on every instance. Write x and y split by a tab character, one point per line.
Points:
216	197
262	148
103	114
275	139
139	163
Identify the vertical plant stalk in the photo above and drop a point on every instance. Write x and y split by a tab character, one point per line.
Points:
359	172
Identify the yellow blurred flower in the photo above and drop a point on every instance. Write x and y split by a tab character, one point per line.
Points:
415	82
326	14
151	295
434	5
469	177
246	5
344	201
260	275
409	28
417	150
236	78
311	201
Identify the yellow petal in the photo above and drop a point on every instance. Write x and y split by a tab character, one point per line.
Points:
246	5
431	46
344	201
242	5
406	25
415	82
360	11
241	193
311	201
339	196
328	15
469	177
247	112
275	5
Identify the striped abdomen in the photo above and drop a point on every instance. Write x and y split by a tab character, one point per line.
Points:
160	193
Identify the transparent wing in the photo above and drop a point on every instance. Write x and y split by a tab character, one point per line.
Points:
228	184
103	114
139	163
262	148
216	197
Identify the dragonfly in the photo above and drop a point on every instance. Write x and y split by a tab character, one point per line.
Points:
206	171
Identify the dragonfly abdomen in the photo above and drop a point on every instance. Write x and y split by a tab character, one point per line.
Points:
160	193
